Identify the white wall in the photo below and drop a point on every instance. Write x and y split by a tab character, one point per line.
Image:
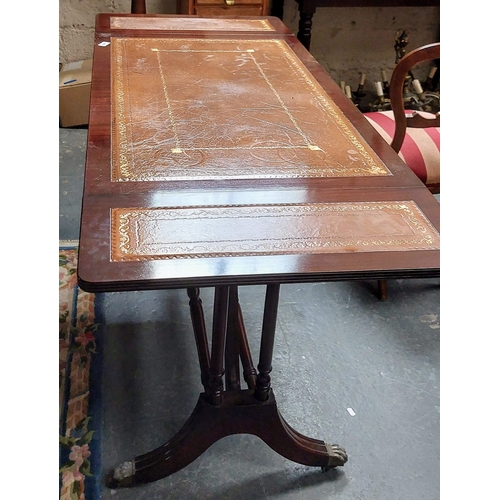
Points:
77	19
346	41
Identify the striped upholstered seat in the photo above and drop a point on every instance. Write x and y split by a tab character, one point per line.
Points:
416	138
420	149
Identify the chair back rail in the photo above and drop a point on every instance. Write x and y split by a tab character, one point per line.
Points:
424	53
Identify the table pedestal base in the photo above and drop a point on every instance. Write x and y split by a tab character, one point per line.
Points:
240	413
224	408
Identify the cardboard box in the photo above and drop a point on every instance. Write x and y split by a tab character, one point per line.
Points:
74	93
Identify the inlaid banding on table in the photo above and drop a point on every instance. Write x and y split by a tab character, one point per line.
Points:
245	230
201	109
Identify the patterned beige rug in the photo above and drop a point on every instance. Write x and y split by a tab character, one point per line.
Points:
79	384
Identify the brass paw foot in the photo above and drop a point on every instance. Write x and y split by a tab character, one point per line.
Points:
122	476
337	457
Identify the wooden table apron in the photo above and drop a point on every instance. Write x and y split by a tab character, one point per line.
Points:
221	154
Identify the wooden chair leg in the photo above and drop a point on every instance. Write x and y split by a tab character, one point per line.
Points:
138	7
382	290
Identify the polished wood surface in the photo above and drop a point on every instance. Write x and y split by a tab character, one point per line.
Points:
98	271
214	8
209	8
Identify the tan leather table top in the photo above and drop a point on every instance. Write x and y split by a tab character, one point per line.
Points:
212	108
228	155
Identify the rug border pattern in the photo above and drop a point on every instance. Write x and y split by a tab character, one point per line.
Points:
80	350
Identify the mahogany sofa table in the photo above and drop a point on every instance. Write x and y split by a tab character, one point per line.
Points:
221	154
